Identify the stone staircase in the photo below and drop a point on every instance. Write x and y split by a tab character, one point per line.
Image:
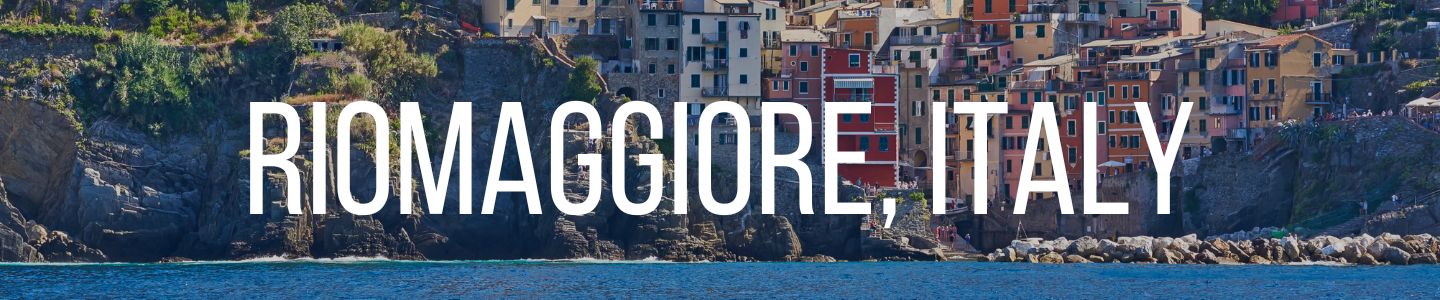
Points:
1385	210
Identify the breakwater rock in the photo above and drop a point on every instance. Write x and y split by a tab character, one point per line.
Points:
1364	250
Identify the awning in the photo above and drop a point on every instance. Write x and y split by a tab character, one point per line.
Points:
855	83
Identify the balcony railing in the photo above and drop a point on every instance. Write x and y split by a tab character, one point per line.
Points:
1189	64
1319	98
858	98
771	43
717	91
1078	17
1126	75
787	72
1033	85
917	40
714	38
717	64
1031	18
662	5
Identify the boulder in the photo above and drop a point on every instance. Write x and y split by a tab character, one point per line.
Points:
1395	256
1051	258
1084	246
1076	259
1423	259
1367	260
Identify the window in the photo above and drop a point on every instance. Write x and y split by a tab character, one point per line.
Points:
1040	31
864	118
1255	86
814	50
744	52
1070	127
1254	113
804	87
650	20
885	144
652	44
869	38
1135	91
672	19
1101	128
652	68
804	66
744	79
584	2
917	80
846	118
1019	32
1315	59
864	143
694	26
854	60
1270	85
695	80
785	86
792	50
672	44
1112	91
919	135
775	85
989	8
670	69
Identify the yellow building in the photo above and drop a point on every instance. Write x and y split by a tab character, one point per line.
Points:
1289	78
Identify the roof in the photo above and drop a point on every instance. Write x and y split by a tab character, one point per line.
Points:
1279	41
1053	61
1149	58
1221	26
803	36
933	22
1112	42
732	2
827	5
1160	41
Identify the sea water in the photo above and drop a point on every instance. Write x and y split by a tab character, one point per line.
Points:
378	278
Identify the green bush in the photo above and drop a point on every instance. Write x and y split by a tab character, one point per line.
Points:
56	30
141	80
583	85
237	15
295	24
388	59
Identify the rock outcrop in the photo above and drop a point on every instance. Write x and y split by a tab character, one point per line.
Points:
1364	249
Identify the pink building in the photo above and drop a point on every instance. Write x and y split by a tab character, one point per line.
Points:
1295	10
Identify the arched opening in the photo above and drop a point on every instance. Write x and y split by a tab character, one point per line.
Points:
628	92
921	159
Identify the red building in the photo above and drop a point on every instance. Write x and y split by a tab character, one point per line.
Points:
799	78
847	77
1295	10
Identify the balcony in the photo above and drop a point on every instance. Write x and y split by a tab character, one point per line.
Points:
917	40
771	43
714	38
1217	108
787	72
1033	85
856	98
662	5
963	156
1030	18
1238	133
716	91
1079	17
1189	64
1126	75
716	64
1319	98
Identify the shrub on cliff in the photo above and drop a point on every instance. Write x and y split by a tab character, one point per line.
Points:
296	23
141	80
583	85
398	72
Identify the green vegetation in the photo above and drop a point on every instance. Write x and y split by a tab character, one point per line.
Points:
237	15
1253	12
56	30
583	85
294	25
141	80
398	73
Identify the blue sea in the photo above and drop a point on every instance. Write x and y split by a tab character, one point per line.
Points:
360	278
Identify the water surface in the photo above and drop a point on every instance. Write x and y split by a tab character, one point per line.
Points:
600	279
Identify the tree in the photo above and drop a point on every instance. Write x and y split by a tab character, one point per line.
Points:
583	85
294	25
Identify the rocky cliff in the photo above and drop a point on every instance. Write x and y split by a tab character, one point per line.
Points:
108	192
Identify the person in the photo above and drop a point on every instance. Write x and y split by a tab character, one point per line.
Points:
967	239
1395	199
1364	208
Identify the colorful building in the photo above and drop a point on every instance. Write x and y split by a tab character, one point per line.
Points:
847	77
